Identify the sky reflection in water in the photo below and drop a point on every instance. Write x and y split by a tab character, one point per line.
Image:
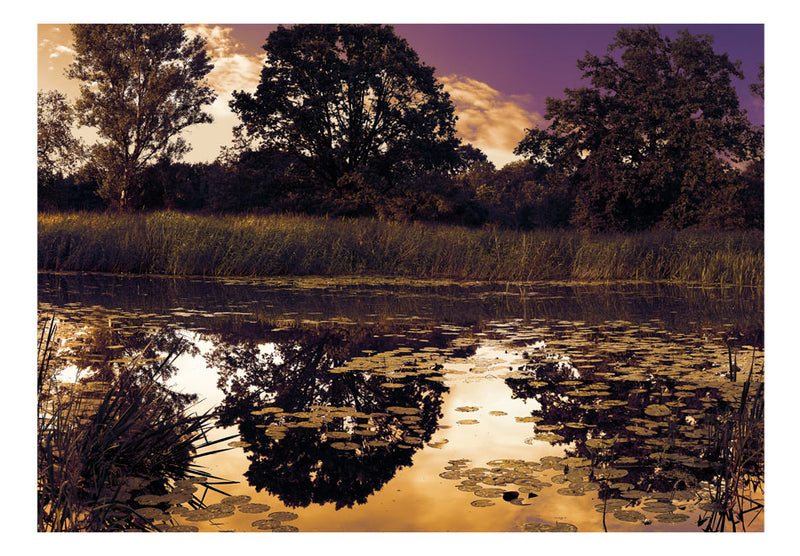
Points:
395	407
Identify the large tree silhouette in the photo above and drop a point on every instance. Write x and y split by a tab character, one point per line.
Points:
352	102
143	84
652	138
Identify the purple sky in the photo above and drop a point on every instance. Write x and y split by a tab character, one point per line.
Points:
540	59
498	76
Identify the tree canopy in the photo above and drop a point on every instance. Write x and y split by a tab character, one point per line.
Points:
143	84
350	101
58	151
656	133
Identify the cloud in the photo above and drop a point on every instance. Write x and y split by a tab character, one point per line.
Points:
493	121
233	69
60	49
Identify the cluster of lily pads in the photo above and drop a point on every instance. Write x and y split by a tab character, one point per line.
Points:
639	412
518	482
168	511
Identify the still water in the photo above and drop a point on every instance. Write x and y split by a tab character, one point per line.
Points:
387	405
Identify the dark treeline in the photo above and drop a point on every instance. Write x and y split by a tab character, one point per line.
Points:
347	121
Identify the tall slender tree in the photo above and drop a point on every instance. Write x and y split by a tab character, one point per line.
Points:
143	84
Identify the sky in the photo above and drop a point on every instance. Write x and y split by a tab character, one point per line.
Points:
498	75
510	70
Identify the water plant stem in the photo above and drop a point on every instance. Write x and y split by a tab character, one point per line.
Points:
175	243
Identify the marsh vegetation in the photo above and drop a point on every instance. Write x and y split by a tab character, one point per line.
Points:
279	245
637	408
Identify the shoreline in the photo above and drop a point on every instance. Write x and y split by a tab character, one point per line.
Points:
288	246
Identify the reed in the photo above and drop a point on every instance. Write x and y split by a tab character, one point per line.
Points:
100	446
736	441
281	245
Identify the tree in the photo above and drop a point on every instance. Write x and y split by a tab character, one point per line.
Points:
758	88
58	151
353	103
657	130
142	86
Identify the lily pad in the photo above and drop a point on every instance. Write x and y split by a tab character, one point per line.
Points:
283	516
672	518
377	443
236	500
154	514
182	529
531	419
569	491
254	508
198	515
345	446
629	515
239	444
657	410
285	529
266	524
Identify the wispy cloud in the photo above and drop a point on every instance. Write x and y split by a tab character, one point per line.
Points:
54	47
493	121
60	50
233	69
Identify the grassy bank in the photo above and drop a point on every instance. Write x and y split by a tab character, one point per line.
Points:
186	244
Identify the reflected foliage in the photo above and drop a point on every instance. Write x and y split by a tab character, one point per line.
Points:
331	413
231	304
107	441
663	424
103	350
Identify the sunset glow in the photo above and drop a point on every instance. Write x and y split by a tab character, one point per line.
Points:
492	277
495	75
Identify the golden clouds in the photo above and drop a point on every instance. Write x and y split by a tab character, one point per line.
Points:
233	69
489	119
55	47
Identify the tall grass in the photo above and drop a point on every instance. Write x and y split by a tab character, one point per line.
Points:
100	445
736	440
277	245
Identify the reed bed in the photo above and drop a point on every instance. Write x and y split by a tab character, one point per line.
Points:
174	243
102	445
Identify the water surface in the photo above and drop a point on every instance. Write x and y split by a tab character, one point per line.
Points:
389	405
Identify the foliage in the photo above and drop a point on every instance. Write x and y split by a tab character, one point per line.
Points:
267	179
514	196
142	87
101	444
275	245
58	151
652	139
353	103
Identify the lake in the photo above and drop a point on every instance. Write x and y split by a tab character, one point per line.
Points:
395	405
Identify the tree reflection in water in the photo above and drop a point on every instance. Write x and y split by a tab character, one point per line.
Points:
331	413
117	449
672	434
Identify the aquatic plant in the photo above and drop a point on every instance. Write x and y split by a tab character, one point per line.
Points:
285	245
737	440
104	447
